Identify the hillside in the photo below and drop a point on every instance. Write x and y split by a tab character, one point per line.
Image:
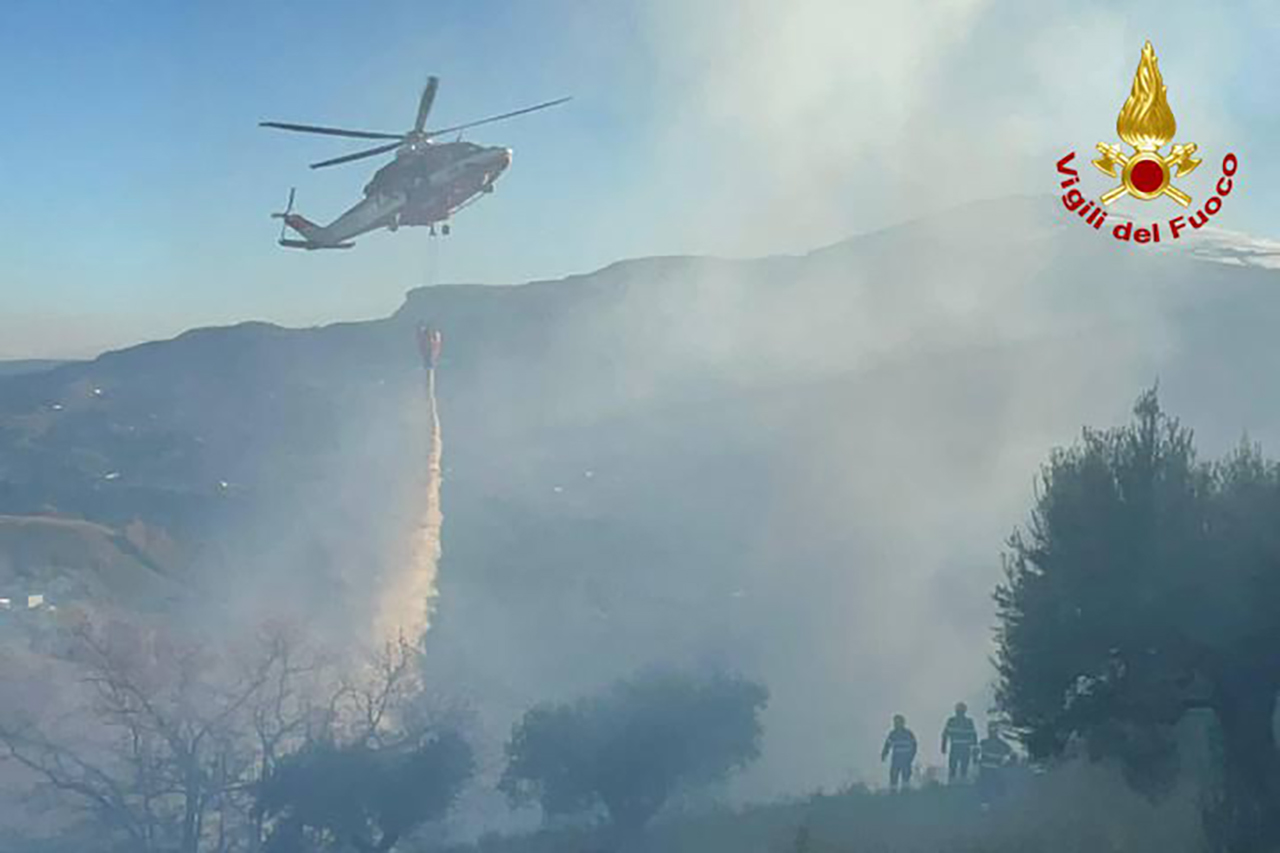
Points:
1040	813
66	559
20	366
769	464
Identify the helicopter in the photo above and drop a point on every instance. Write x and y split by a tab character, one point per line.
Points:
425	184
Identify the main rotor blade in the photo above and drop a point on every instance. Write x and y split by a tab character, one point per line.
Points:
442	131
331	131
424	104
359	155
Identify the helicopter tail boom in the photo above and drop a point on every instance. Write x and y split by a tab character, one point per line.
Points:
316	236
308	245
301	224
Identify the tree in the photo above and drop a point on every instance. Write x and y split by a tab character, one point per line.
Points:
373	773
1145	585
631	748
368	797
172	747
163	742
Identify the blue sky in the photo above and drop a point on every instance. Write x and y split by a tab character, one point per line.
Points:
136	184
139	184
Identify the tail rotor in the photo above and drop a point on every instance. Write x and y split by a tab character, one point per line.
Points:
284	217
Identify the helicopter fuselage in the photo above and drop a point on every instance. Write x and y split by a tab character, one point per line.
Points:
436	179
425	184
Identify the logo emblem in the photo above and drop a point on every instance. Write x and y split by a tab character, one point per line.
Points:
1147	124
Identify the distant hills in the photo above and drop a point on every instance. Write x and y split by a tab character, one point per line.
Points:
32	365
65	559
803	467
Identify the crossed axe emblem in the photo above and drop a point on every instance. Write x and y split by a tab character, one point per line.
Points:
1117	164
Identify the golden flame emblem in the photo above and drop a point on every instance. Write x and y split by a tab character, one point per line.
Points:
1147	124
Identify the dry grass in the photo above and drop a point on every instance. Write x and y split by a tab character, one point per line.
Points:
1078	809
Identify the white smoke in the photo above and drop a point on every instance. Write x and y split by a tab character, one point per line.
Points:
804	123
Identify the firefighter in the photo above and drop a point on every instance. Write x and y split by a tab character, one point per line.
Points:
994	754
962	737
900	749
